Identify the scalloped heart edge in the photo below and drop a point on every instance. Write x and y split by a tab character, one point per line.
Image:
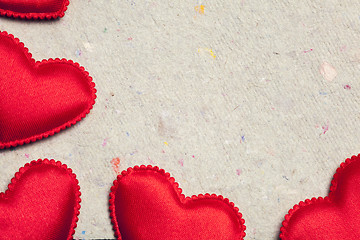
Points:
58	164
65	125
328	199
177	189
36	16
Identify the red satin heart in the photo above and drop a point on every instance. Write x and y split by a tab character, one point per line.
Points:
33	9
147	204
38	99
336	217
42	202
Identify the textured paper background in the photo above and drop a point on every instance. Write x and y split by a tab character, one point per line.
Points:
255	100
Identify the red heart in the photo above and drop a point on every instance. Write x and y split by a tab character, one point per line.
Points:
331	218
38	99
146	203
35	9
42	202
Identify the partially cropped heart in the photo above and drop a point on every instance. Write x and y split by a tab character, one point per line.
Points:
33	9
146	203
331	218
38	99
42	202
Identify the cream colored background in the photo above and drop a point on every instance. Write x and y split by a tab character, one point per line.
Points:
247	99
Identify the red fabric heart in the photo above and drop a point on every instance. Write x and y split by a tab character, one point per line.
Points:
331	218
42	202
39	99
146	203
33	9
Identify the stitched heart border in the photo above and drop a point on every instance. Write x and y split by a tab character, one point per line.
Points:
176	188
35	64
17	178
33	15
284	235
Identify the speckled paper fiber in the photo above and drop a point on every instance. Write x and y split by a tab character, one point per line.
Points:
254	100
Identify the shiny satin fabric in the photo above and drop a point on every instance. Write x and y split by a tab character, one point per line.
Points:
145	203
38	99
37	9
331	218
42	202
